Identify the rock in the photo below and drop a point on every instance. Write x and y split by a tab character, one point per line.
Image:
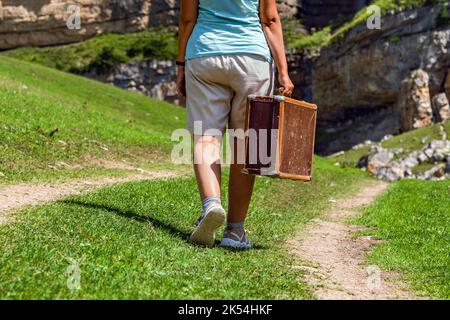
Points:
380	154
390	172
437	171
387	137
414	102
398	151
422	157
155	78
441	107
438	150
410	161
377	161
447	84
428	152
358	146
164	12
337	154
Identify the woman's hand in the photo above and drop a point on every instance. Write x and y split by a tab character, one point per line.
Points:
286	85
181	82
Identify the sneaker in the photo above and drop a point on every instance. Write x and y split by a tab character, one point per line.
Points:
235	239
204	233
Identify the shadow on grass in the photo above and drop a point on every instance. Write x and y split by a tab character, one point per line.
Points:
183	235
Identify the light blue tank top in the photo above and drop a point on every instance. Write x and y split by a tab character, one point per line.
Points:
227	27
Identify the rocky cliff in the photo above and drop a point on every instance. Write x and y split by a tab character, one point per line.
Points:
377	82
45	22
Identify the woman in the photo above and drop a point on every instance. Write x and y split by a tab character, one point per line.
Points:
226	52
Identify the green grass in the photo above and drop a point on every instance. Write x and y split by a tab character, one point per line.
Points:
47	116
130	242
103	51
409	141
337	31
413	219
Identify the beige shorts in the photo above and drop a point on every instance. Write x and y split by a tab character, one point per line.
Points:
217	88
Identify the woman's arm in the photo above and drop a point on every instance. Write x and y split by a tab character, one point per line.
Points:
273	31
188	18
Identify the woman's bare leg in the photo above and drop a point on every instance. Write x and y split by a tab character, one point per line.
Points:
207	165
240	191
240	186
207	170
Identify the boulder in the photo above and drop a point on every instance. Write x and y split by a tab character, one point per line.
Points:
391	172
441	107
437	171
414	102
377	159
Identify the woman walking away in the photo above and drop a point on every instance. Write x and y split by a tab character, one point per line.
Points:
227	51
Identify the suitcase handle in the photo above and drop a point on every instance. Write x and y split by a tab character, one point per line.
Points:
280	92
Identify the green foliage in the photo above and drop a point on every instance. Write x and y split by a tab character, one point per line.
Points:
103	51
413	219
107	59
313	41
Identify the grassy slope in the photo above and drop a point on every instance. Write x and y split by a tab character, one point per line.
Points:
35	100
413	218
124	256
130	241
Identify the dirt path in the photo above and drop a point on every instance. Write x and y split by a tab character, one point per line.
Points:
333	258
19	195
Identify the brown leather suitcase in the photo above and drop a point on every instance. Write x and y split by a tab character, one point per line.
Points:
286	149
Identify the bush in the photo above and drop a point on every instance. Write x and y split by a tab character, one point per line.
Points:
107	59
